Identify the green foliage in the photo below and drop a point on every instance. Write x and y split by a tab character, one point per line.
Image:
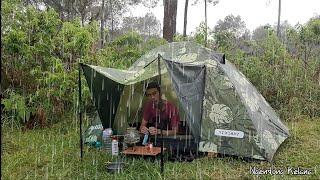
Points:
40	53
179	37
54	87
15	41
93	29
74	41
231	25
271	48
225	40
199	35
123	51
130	39
227	32
290	85
153	43
303	40
283	81
15	109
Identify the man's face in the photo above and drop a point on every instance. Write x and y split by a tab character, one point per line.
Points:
153	94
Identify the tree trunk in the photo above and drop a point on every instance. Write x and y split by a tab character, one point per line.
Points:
169	19
185	19
279	14
82	20
102	26
206	25
111	11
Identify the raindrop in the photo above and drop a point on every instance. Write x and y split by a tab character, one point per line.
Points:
96	172
53	67
62	143
128	102
52	153
39	159
47	173
70	141
132	90
182	69
35	172
129	107
63	161
102	88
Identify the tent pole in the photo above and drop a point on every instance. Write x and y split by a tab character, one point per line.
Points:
159	70
160	105
80	112
151	62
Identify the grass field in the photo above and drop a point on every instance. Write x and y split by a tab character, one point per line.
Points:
53	153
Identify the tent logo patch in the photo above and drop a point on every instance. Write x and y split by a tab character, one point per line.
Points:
228	133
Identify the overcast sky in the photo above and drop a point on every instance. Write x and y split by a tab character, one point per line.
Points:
253	12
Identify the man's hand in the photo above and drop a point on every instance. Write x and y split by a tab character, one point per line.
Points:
144	130
153	130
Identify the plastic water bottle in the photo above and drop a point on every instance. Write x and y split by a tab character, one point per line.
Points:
124	146
115	147
145	139
107	141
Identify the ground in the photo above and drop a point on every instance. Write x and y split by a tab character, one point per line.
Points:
53	153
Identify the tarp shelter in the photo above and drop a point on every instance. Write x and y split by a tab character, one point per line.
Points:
224	111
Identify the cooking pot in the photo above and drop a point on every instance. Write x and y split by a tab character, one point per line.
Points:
115	167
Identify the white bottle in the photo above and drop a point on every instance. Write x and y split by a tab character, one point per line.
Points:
107	141
115	147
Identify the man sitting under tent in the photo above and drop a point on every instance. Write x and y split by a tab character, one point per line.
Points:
169	114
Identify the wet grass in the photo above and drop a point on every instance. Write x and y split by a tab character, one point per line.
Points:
53	153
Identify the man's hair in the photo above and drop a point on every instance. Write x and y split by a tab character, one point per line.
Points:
153	84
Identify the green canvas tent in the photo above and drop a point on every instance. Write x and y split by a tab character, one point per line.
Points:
223	110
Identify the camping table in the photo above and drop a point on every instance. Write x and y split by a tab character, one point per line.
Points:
170	142
177	142
143	151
